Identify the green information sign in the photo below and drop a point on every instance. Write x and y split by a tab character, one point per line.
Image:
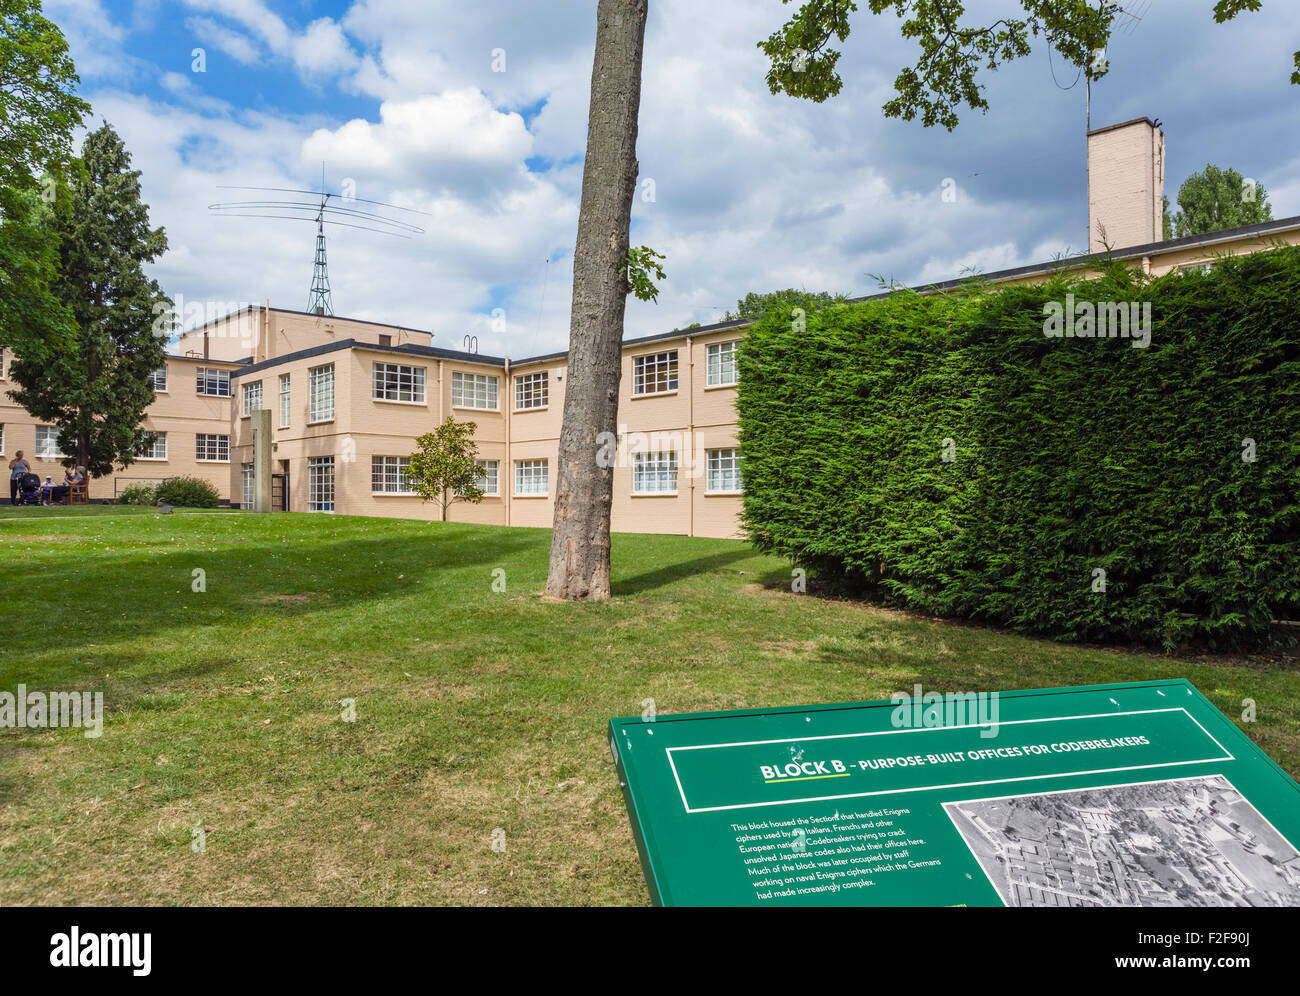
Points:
1139	794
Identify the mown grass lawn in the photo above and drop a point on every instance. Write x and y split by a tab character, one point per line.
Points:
476	709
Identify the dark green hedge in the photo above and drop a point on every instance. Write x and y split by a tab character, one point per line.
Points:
1069	455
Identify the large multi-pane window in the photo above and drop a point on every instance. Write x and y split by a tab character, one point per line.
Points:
397	382
155	448
723	470
158	379
388	476
284	401
320	484
722	364
246	479
212	381
210	447
655	373
47	443
654	473
474	391
252	397
488	476
320	388
532	390
531	477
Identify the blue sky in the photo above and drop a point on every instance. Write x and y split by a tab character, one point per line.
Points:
476	115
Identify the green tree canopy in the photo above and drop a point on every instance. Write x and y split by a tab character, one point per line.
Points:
442	469
39	109
97	391
803	54
1215	199
754	304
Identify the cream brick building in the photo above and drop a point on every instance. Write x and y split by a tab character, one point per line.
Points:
348	398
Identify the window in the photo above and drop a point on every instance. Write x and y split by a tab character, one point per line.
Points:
474	391
2	437
159	379
723	470
252	397
246	476
155	448
284	401
388	476
722	364
531	390
385	340
47	443
654	473
209	448
654	373
394	382
488	477
214	382
320	384
320	484
530	477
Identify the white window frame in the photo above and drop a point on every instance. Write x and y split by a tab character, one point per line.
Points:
389	381
159	380
321	484
719	361
723	464
286	401
211	442
2	438
532	391
247	481
152	452
209	382
388	475
252	395
656	371
654	473
47	443
468	389
320	391
489	474
527	474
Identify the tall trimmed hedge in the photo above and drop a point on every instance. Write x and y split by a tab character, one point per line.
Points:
1068	457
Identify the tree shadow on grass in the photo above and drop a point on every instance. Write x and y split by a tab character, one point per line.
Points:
671	573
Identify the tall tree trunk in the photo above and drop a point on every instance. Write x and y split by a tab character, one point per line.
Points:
583	489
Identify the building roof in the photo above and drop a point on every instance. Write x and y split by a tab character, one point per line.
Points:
1261	229
429	352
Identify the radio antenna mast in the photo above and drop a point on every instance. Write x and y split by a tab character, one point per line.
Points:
315	206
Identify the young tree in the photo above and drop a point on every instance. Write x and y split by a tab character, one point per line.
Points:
97	391
443	468
605	271
802	59
1215	199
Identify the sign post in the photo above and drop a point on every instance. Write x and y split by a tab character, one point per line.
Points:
1140	794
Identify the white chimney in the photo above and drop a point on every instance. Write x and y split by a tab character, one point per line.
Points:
1126	185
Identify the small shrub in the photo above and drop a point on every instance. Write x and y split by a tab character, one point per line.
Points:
138	494
187	492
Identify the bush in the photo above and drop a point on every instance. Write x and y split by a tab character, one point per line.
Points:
1068	457
138	494
187	492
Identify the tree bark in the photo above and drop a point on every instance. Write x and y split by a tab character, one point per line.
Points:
579	567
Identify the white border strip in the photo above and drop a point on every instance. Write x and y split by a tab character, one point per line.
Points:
1227	756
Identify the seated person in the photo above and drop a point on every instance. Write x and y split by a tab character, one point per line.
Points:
70	478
